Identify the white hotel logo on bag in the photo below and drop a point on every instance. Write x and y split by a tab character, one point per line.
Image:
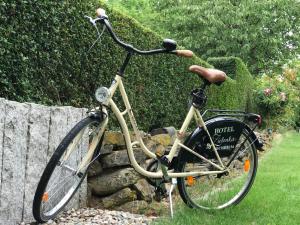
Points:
221	140
224	130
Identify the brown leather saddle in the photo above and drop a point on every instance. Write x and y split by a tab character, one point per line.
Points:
213	76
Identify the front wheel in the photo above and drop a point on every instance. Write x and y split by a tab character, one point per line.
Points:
219	191
61	177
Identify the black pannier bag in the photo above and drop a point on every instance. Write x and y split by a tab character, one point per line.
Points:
225	133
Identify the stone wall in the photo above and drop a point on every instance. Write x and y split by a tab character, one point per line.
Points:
29	133
113	183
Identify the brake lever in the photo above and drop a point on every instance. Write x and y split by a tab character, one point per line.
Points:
92	21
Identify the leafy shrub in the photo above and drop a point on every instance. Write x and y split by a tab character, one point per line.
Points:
272	95
277	96
43	50
292	72
262	33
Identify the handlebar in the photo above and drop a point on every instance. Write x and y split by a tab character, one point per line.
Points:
129	47
103	18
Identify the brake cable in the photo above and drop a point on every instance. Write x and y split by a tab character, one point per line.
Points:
99	35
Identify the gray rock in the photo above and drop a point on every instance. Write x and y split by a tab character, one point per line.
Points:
154	147
137	206
120	158
14	161
89	195
114	138
151	144
100	216
74	115
106	149
37	155
95	169
29	133
113	181
144	190
83	190
58	128
116	199
2	120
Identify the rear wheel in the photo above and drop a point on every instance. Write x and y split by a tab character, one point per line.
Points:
219	191
61	177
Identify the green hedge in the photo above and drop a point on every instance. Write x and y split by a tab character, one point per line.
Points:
43	47
226	27
237	91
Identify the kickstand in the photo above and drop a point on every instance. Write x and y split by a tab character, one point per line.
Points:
174	183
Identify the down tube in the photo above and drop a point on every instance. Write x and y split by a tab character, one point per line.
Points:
125	131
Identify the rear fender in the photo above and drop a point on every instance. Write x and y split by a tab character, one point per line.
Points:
225	132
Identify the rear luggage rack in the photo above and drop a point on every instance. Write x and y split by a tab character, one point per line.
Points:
248	117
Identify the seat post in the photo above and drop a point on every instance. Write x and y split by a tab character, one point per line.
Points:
204	84
199	96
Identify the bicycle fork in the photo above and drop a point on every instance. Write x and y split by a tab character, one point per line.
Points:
92	147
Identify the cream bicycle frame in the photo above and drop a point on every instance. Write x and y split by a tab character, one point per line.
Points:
193	112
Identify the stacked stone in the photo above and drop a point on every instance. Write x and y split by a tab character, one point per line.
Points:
113	183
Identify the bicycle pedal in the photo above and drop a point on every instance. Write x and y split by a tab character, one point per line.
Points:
220	175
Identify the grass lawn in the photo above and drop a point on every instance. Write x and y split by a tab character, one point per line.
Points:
273	199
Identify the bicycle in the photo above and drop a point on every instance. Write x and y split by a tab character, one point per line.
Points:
214	168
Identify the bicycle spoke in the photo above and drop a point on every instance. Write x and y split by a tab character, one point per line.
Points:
63	180
62	186
57	178
221	190
72	146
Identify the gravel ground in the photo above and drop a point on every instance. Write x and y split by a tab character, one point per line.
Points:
91	216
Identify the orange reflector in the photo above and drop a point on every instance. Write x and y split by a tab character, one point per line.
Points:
45	197
190	180
247	165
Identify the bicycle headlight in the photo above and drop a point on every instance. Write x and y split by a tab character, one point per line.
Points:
102	94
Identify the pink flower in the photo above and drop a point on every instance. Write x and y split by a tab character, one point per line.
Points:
282	96
268	91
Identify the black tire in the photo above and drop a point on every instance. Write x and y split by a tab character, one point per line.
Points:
42	213
215	191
